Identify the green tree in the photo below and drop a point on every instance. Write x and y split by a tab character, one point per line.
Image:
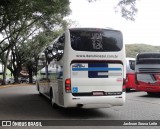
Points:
44	13
33	47
21	18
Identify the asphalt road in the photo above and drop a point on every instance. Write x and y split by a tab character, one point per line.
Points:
25	103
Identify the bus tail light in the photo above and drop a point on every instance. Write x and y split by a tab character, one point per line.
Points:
68	85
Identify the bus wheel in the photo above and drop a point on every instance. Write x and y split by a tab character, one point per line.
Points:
38	90
150	93
128	89
54	105
38	87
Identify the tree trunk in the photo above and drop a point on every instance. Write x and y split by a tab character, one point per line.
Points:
16	75
5	67
30	74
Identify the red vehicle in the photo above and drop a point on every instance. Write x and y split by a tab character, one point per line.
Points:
130	74
148	72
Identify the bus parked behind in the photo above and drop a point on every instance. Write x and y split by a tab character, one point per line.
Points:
148	72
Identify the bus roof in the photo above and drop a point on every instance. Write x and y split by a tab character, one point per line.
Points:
90	28
130	58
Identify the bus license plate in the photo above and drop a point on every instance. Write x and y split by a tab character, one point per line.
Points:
98	93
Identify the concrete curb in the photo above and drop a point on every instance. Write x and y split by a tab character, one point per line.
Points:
14	85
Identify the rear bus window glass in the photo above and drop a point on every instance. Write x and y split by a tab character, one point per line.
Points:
101	40
148	58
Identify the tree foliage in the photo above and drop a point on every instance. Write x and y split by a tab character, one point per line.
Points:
127	9
42	13
21	20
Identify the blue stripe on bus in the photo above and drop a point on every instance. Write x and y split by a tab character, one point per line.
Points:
96	69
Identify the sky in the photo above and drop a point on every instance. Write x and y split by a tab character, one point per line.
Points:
145	29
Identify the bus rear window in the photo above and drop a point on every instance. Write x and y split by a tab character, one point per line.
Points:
102	40
148	58
148	61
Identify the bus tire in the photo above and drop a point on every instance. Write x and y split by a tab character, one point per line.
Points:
150	93
128	89
52	99
39	90
37	87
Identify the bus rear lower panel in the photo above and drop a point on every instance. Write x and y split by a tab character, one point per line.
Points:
94	101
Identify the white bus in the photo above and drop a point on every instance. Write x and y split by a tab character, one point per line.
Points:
84	68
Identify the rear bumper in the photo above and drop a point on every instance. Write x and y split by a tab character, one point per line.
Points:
94	101
148	88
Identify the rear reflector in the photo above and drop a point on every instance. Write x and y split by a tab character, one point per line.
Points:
68	85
